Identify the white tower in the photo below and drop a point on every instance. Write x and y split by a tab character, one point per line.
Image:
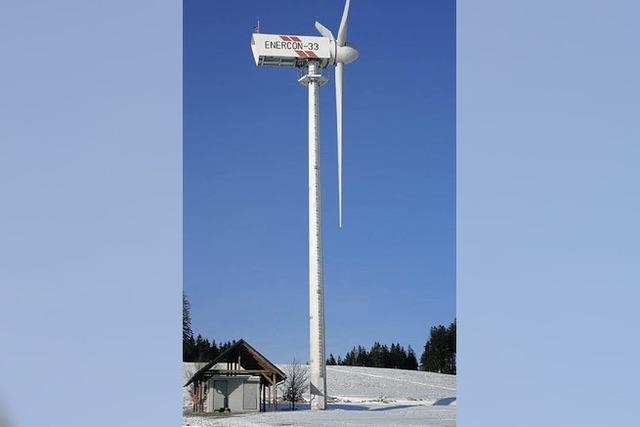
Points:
318	378
313	54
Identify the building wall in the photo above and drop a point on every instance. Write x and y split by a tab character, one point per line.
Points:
243	393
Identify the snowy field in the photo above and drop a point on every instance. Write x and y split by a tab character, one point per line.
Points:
363	397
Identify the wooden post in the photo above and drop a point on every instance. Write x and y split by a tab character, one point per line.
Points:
198	397
269	396
275	394
193	400
271	408
204	394
196	392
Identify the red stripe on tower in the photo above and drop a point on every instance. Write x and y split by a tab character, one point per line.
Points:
310	54
285	38
295	39
301	54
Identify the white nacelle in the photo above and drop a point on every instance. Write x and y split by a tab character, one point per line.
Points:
290	51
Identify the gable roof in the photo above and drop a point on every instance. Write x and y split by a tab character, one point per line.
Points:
250	359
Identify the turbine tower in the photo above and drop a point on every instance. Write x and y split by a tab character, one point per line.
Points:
313	54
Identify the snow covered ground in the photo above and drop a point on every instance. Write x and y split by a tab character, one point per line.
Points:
363	397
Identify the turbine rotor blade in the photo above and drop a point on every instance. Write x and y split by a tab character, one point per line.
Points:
339	75
342	31
324	31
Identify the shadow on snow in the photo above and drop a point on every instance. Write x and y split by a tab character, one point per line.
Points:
360	407
445	401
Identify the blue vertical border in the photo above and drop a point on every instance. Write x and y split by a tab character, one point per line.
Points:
548	206
90	218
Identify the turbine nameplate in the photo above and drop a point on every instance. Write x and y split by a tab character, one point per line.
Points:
290	51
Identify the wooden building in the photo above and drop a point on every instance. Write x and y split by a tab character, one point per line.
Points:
240	379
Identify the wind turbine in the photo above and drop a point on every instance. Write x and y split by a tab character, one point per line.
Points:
312	53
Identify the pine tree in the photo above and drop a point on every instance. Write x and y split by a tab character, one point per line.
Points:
213	351
191	354
350	358
331	360
397	356
385	356
187	333
411	362
451	332
362	357
377	356
201	348
440	350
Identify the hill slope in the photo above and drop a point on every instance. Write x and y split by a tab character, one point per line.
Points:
361	384
363	397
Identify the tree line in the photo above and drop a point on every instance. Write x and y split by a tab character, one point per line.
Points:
439	353
202	350
198	349
378	356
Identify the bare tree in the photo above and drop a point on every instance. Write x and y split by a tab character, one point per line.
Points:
296	383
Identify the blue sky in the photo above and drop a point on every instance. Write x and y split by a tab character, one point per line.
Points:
390	271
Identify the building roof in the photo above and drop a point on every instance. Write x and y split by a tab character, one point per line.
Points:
250	360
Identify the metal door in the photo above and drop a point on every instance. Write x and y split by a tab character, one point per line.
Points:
250	395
